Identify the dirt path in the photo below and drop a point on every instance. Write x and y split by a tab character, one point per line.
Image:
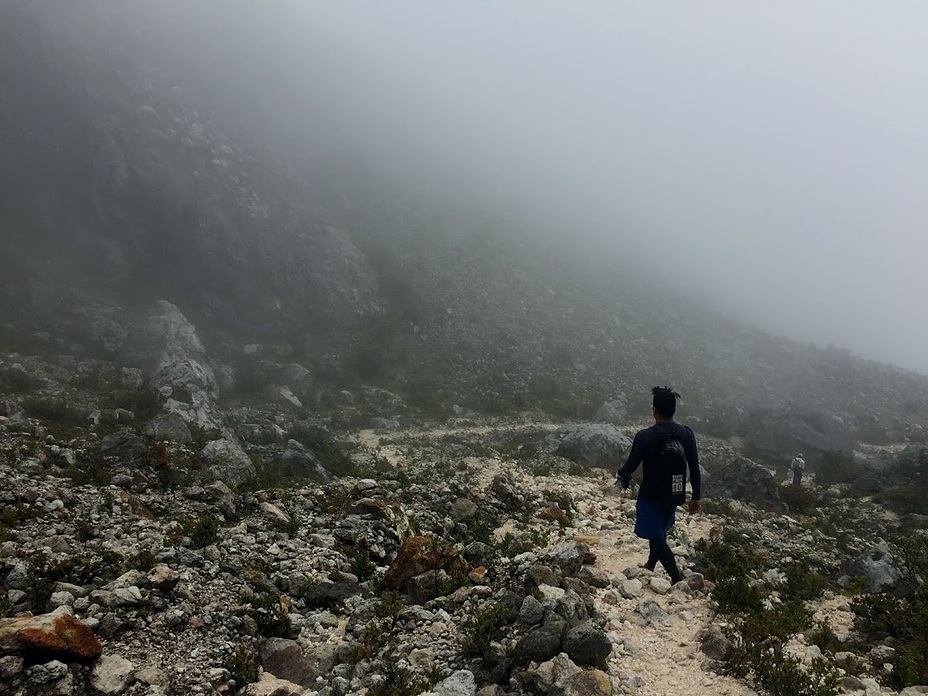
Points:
657	660
650	659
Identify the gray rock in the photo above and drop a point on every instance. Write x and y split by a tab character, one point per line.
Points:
550	677
125	448
846	660
461	683
714	643
587	644
169	426
851	684
48	672
297	459
111	675
567	556
226	461
18	577
613	412
286	396
541	643
748	481
532	611
594	577
631	589
593	444
653	612
284	659
166	347
882	653
877	566
571	607
10	666
660	585
300	381
786	432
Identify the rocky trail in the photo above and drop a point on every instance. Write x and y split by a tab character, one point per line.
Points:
654	655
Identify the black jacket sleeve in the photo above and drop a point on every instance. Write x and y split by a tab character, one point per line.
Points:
692	458
635	457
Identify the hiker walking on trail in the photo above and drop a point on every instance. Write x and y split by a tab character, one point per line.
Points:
666	451
797	467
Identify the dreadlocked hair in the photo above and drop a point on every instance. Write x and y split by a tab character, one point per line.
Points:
664	401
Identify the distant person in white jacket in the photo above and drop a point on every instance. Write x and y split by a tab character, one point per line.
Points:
797	467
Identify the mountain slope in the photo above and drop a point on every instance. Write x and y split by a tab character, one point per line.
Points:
126	181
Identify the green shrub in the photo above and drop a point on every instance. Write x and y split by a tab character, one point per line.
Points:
738	595
269	615
802	583
203	531
903	619
243	665
362	566
483	626
759	641
56	412
726	555
16	381
398	681
905	499
799	499
825	638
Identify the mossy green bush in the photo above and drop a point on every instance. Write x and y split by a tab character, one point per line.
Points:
482	626
243	665
759	628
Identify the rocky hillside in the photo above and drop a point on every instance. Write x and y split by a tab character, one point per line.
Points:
125	181
156	539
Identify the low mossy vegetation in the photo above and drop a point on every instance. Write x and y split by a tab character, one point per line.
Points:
902	620
761	623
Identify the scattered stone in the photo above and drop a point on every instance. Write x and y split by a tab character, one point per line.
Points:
48	672
594	577
169	426
284	659
461	683
163	578
591	682
111	675
226	461
714	643
653	613
270	685
660	585
587	644
631	589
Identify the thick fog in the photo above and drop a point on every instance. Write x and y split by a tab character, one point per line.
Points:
769	159
773	157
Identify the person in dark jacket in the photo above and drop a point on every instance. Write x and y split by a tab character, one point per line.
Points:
654	519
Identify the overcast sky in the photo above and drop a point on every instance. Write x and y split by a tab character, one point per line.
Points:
775	155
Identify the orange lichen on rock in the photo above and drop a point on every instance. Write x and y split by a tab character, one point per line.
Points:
419	555
49	633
